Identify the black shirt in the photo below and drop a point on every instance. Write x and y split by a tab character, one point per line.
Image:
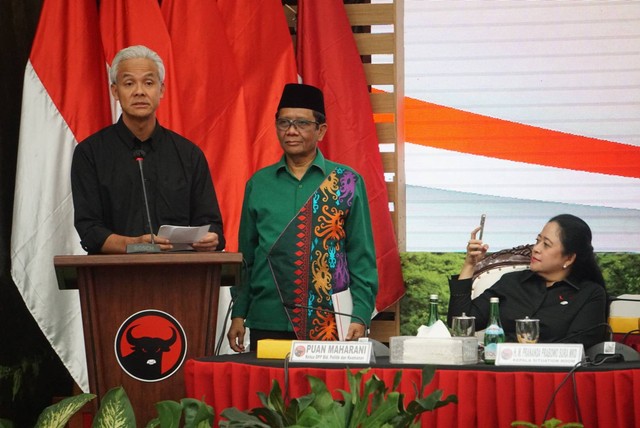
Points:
569	311
107	188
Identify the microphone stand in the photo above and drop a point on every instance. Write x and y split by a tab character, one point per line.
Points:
144	247
328	311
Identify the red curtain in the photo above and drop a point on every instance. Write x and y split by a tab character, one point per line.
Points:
486	399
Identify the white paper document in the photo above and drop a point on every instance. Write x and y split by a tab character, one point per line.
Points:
343	303
182	237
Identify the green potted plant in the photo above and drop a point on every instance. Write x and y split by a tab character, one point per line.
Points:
116	411
373	406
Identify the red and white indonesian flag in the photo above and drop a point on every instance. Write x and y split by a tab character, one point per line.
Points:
65	99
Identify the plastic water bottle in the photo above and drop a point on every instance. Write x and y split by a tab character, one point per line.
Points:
494	332
433	310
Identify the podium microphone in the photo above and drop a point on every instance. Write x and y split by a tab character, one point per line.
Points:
152	247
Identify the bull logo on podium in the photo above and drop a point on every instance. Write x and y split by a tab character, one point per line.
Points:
150	345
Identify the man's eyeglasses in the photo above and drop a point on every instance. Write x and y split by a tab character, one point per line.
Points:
300	124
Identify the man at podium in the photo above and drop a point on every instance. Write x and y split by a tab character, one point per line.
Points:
305	234
112	208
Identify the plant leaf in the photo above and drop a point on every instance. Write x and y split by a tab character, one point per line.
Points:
376	389
396	380
115	411
385	413
428	372
276	400
347	407
238	419
524	424
354	383
374	386
323	398
430	402
169	414
153	423
311	418
57	415
197	413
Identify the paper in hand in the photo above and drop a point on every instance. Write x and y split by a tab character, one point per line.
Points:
182	237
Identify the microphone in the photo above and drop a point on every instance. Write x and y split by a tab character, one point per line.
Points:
586	330
152	247
379	348
612	352
606	351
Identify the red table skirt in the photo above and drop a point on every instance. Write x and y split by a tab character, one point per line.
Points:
486	399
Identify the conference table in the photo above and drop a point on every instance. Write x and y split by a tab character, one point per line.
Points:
607	395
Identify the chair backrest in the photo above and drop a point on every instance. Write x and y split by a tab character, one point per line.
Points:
624	315
626	308
491	268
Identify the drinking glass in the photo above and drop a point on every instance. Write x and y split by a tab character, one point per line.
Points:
528	330
463	326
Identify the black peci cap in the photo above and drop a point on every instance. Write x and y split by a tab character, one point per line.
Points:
299	95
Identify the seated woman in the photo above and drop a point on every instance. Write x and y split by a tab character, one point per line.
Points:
563	286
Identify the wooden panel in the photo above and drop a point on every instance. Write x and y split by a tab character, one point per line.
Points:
386	134
369	44
370	14
358	14
380	74
383	102
391	191
389	161
386	324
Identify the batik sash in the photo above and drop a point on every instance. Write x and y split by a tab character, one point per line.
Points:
308	261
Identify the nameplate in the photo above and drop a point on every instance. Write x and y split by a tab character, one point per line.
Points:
539	354
308	351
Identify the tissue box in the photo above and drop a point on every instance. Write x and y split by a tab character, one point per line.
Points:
273	348
428	350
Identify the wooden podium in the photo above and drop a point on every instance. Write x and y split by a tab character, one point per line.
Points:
134	302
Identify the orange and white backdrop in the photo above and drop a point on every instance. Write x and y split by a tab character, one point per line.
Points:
521	110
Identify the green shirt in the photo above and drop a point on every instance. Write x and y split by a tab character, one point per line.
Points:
273	196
